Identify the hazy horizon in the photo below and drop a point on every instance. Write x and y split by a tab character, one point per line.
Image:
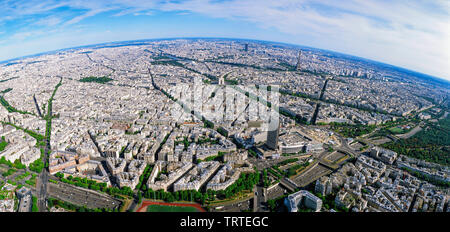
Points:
212	38
411	35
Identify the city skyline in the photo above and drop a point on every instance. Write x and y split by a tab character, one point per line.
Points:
417	29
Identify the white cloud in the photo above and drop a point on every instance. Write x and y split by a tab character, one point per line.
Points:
49	21
86	15
147	13
20	36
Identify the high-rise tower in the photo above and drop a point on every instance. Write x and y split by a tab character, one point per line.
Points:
299	67
273	132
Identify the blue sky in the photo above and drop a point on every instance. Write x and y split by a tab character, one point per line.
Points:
413	34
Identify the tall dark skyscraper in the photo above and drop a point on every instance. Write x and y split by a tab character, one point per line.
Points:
246	47
272	136
299	64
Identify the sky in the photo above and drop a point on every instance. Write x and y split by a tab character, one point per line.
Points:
413	34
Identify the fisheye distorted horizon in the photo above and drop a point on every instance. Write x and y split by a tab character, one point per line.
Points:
412	35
